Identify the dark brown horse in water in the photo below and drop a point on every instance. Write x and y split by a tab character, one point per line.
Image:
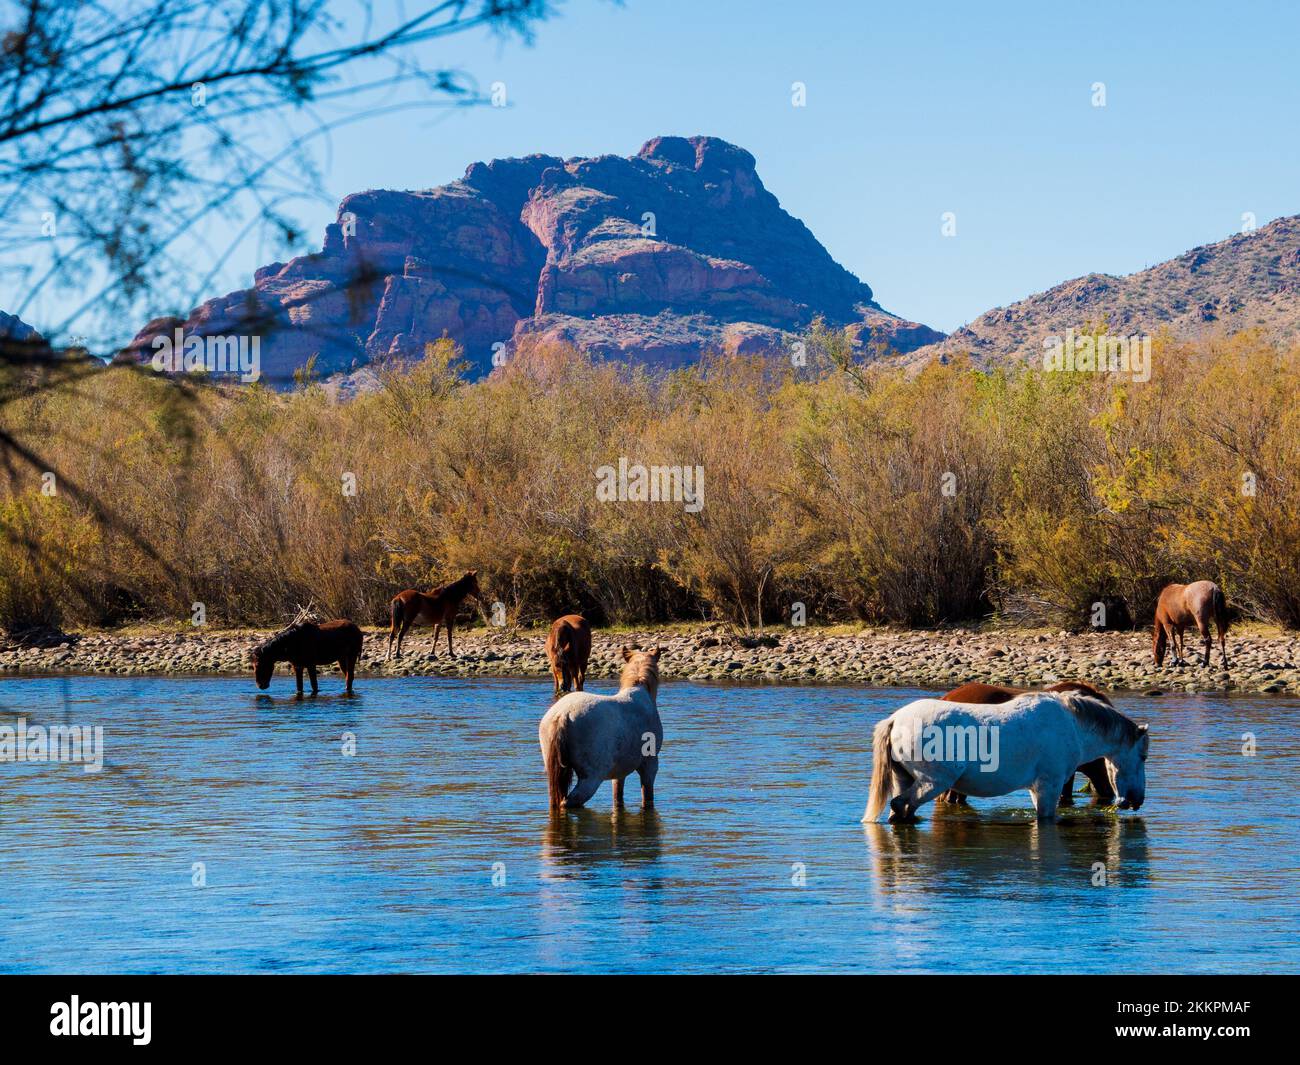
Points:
436	608
568	648
306	645
977	692
1181	605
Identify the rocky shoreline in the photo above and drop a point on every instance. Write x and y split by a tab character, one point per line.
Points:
879	658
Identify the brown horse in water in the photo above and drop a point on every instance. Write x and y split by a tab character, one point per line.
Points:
978	692
436	608
306	645
1181	605
568	648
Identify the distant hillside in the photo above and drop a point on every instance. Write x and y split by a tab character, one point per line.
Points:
16	330
19	342
1251	279
654	258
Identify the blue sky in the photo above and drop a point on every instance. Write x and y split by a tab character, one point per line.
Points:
913	109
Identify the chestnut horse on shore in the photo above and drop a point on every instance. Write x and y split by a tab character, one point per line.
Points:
978	692
436	608
306	645
568	648
1181	605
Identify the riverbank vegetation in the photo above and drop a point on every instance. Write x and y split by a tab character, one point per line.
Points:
832	491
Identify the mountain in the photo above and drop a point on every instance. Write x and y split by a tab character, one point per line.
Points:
1251	279
658	257
20	343
14	328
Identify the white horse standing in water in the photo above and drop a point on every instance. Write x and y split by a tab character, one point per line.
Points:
1035	741
605	737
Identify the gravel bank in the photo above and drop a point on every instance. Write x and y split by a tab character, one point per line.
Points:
939	659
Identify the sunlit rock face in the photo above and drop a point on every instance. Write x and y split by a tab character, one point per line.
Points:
659	257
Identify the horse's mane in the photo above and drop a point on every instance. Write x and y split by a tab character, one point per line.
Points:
1081	686
273	643
454	586
640	669
1101	717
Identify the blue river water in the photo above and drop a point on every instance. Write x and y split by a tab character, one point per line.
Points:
406	829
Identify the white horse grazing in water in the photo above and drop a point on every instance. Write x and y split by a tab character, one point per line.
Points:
1035	741
605	737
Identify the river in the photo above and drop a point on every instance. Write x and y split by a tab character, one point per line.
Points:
406	829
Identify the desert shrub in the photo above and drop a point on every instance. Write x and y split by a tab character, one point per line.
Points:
855	489
1241	464
896	480
48	561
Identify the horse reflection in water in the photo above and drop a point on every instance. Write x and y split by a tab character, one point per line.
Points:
576	841
961	852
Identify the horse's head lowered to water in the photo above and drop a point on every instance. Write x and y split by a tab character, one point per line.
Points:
268	654
1128	741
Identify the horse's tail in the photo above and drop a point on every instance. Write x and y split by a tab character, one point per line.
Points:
566	650
882	769
558	775
1220	608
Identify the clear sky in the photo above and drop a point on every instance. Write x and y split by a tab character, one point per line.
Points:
913	109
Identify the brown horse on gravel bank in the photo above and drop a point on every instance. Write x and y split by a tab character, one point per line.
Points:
306	645
568	648
978	692
436	608
1181	605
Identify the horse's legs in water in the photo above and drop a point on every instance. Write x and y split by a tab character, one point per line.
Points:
905	804
647	774
582	791
1095	771
952	797
346	667
581	679
298	673
1067	792
1042	792
311	672
618	791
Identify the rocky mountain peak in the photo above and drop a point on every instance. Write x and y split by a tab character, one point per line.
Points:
656	257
